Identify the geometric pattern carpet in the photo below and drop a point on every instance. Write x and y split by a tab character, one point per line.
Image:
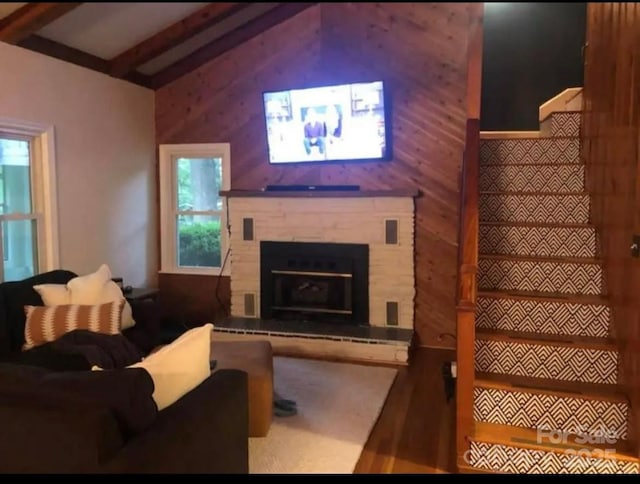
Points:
519	460
544	312
541	316
523	207
541	241
540	275
542	410
588	365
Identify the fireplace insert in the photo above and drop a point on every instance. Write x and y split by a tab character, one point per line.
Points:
314	281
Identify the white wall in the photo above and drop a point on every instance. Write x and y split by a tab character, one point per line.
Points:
105	159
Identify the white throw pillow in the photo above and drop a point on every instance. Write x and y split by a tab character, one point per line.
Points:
88	290
179	367
54	294
89	287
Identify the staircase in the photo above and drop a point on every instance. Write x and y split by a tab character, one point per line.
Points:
546	398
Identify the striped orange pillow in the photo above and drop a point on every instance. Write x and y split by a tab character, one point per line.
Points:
48	323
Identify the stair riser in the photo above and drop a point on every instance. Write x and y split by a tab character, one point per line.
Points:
538	241
530	151
532	178
567	363
566	124
553	209
518	460
553	277
544	317
551	412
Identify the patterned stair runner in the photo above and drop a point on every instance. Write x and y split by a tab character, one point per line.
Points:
545	275
559	359
558	208
542	240
530	407
537	313
544	357
566	124
528	151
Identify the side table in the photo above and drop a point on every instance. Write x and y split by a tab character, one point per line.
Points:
142	293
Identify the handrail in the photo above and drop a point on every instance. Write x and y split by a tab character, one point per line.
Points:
558	103
467	286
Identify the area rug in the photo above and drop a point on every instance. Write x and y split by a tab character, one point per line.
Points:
337	406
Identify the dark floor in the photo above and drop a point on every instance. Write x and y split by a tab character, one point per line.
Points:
415	433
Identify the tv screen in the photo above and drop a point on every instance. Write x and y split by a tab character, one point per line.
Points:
338	123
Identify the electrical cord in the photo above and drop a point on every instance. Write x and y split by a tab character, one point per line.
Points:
217	290
224	263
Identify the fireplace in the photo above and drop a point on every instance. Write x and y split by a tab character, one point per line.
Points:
313	281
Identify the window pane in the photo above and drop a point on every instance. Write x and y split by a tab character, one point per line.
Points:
198	241
19	247
1	189
16	182
199	181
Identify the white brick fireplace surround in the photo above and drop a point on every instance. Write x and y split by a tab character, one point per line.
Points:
381	220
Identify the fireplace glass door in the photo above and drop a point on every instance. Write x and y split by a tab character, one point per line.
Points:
312	292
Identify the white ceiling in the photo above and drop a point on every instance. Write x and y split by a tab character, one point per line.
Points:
108	29
204	37
9	7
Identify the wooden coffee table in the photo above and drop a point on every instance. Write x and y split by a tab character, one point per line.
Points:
255	358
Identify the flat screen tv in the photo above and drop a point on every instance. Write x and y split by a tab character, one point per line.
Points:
331	123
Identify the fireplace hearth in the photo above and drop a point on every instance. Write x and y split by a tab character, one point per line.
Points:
320	282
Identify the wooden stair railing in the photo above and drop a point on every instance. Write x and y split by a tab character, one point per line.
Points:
467	288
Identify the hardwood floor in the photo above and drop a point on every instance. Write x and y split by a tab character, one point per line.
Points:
415	433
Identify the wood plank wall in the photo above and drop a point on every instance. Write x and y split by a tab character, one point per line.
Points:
611	134
419	49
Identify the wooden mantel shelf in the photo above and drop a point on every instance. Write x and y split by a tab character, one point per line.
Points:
321	193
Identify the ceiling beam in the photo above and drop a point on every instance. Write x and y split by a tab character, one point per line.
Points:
227	42
27	20
78	57
172	36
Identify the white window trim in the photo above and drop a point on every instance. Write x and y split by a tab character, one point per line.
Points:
45	195
167	213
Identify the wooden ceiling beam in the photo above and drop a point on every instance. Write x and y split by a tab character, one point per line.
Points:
227	42
78	57
27	20
172	36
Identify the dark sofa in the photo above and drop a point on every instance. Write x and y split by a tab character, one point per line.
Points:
57	416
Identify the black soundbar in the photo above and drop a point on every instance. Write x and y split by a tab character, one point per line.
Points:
317	188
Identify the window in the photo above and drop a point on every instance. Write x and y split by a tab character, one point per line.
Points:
28	229
193	219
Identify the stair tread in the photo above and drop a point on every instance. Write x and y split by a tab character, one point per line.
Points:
557	297
599	391
536	194
589	342
535	258
464	468
532	137
534	164
566	112
540	224
523	437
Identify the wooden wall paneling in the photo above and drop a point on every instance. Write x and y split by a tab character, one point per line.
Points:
610	135
419	49
468	236
193	300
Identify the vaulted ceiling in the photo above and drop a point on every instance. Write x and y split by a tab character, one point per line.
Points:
150	44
